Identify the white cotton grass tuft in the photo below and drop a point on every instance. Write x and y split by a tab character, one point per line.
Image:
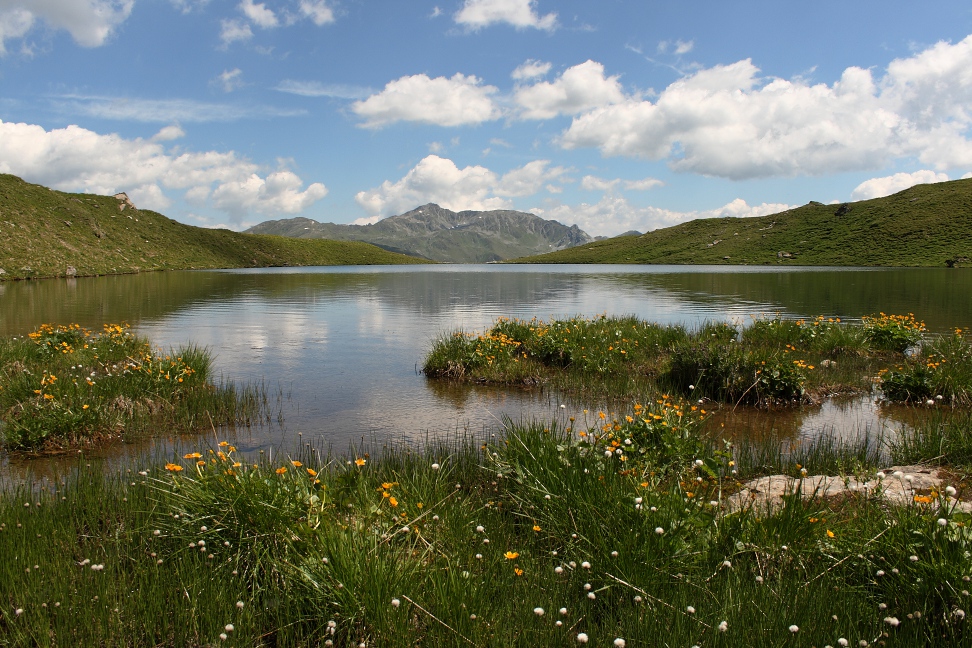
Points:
659	531
582	637
395	602
563	611
723	626
586	565
538	611
892	621
794	629
690	609
435	466
239	605
950	491
619	642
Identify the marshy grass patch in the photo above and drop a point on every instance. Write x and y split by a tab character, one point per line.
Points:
770	362
64	386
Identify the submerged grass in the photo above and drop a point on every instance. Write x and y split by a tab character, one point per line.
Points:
617	536
63	385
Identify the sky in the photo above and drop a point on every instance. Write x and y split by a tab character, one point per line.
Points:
615	115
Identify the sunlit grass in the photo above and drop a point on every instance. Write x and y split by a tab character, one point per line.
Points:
543	537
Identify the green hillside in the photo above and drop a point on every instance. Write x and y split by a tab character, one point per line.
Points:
926	225
47	233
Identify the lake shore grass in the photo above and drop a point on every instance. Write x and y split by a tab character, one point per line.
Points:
768	362
616	534
63	386
608	529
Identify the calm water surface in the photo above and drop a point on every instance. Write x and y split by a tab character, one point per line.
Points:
341	347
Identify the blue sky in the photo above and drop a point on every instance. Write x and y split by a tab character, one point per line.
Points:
613	115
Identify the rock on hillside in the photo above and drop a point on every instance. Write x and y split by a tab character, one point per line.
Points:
440	234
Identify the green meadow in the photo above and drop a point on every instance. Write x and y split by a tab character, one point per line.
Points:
925	225
49	233
602	528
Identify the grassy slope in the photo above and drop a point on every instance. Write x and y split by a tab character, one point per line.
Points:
921	226
43	231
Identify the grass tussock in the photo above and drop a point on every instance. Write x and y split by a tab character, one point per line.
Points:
63	385
610	534
770	362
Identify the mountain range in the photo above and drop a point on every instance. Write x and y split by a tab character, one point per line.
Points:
433	232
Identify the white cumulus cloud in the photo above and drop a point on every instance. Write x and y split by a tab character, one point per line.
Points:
729	121
455	101
530	69
234	30
521	14
259	14
439	180
77	159
169	133
318	12
528	179
580	88
879	187
593	183
90	22
230	80
278	192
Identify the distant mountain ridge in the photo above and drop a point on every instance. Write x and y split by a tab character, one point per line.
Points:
440	234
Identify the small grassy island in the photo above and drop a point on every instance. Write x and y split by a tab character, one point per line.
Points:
638	527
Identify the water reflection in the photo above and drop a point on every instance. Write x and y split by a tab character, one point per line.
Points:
340	347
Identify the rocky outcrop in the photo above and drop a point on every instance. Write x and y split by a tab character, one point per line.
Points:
124	201
899	485
441	234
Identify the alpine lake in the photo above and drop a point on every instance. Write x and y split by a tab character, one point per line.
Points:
339	349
